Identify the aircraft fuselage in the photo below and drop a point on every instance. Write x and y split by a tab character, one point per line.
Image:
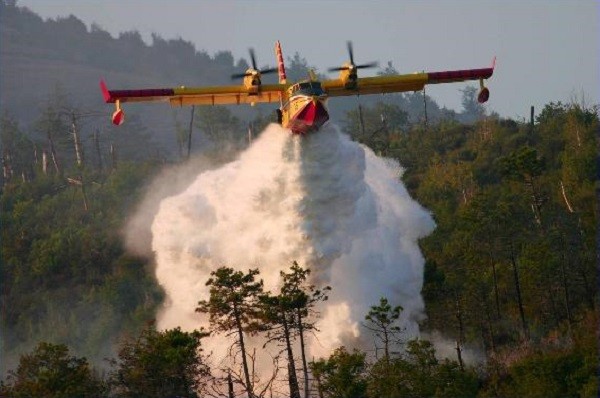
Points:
306	109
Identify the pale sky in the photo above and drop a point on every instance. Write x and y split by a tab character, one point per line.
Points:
546	50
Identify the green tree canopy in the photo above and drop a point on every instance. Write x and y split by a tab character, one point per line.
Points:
50	371
160	364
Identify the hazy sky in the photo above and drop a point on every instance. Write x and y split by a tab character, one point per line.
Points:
547	50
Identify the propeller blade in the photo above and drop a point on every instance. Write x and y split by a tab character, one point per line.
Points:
252	58
352	65
338	69
239	75
350	51
369	65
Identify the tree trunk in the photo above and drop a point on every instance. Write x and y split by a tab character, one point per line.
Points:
302	350
230	385
518	290
563	273
319	385
113	156
461	332
44	162
53	153
238	324
564	195
6	167
486	325
292	378
459	354
536	200
490	330
76	140
495	278
386	345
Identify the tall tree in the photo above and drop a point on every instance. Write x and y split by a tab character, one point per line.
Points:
16	148
278	313
526	166
233	306
382	321
303	299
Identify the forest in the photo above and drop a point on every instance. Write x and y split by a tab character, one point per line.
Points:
510	269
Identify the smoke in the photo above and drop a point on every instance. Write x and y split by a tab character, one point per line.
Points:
322	200
445	348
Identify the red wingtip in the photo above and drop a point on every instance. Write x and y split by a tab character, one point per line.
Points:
105	91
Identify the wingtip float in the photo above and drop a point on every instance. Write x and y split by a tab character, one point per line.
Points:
302	105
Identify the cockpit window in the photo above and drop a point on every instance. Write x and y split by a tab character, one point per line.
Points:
307	88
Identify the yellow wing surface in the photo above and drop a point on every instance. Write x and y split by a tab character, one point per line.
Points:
400	83
218	95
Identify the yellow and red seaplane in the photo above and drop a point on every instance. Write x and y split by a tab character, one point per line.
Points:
302	105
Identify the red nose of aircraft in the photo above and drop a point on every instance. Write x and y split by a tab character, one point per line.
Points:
314	114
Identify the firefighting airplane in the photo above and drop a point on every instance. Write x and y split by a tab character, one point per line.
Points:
302	105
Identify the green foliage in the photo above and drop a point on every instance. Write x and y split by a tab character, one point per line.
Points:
159	364
16	148
420	374
522	164
233	300
49	371
86	289
552	374
342	375
295	304
301	296
233	307
504	196
381	321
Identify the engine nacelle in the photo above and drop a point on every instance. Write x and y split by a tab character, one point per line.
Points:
484	95
118	117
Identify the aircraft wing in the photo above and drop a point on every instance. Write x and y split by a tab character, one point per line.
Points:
400	83
218	95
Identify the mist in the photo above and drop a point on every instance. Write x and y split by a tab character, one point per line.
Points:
322	200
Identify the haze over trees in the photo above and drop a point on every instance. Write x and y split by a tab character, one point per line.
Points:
510	269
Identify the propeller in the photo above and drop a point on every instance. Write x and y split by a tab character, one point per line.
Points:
352	65
253	61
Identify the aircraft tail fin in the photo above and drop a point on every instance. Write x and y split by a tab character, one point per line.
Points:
280	64
105	91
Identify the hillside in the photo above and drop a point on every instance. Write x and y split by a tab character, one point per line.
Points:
510	271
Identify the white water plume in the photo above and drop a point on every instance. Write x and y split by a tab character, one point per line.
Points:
322	200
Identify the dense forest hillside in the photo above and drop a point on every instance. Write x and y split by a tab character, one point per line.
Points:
511	268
